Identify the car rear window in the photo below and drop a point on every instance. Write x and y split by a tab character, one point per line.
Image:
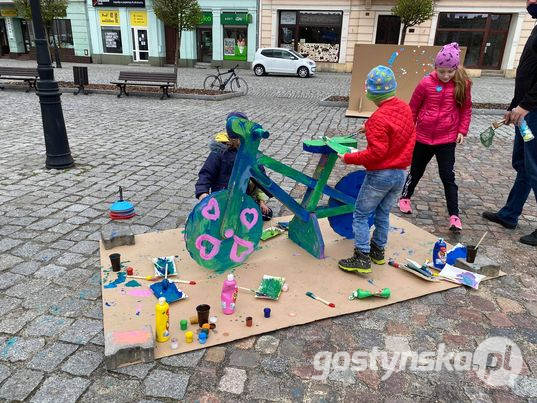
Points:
267	52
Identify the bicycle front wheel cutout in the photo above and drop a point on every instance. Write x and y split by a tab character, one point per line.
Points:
217	250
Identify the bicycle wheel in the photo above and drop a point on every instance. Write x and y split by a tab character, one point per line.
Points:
239	84
212	82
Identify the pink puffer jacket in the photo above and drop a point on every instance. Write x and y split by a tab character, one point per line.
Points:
438	118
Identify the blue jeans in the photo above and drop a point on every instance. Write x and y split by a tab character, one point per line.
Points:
525	165
378	194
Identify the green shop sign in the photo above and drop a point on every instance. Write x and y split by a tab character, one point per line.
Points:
235	18
206	18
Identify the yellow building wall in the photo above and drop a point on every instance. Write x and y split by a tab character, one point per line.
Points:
527	27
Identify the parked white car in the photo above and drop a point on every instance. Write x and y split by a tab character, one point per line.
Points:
282	61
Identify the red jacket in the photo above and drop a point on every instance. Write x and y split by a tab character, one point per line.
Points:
390	137
438	118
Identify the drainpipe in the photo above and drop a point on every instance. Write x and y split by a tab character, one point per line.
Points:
258	22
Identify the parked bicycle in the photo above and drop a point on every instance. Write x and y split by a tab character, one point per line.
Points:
215	82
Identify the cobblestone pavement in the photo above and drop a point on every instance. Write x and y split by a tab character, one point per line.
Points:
51	342
486	89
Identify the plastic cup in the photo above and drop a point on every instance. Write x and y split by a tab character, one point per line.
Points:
471	252
203	314
115	259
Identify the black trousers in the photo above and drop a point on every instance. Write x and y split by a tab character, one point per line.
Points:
445	157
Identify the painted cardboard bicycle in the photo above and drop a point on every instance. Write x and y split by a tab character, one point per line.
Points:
224	229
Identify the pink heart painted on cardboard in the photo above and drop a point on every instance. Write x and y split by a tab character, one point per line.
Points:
242	242
212	210
213	241
244	219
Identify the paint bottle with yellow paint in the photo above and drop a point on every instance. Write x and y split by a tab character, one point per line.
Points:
162	315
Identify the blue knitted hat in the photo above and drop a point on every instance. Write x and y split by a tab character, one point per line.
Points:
228	123
381	81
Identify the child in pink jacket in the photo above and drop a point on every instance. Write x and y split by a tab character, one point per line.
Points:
442	109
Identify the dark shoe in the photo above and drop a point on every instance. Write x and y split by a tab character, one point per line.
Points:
530	239
377	254
489	215
360	262
268	216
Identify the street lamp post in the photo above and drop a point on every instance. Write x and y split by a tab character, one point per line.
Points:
56	142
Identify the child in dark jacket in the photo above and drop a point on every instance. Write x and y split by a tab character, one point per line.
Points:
390	137
216	171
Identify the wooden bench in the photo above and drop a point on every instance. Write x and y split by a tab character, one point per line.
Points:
28	75
162	80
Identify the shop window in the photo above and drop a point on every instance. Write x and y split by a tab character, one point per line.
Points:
462	20
483	35
472	41
319	35
62	31
500	22
235	43
112	40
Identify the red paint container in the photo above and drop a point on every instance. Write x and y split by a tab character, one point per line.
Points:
130	271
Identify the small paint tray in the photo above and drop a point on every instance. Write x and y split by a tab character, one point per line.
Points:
271	232
270	287
167	290
161	263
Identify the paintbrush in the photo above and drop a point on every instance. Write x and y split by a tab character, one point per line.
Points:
251	290
312	295
481	240
191	282
148	278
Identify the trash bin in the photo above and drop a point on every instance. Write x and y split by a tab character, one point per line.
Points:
80	78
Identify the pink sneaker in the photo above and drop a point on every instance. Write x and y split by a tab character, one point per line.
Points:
455	223
404	206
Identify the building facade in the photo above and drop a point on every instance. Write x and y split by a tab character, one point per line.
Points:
125	31
128	31
227	34
493	31
70	33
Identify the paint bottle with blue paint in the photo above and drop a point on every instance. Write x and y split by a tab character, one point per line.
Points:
439	254
525	131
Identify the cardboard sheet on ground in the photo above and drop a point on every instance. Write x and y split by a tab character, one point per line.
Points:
409	64
129	308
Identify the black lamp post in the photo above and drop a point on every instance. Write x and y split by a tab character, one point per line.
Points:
56	142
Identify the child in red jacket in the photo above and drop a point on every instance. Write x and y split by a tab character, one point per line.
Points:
442	109
390	137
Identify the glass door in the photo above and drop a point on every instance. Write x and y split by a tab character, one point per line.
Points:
205	45
140	52
4	44
495	40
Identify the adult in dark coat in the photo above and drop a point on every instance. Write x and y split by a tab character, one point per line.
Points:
523	107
